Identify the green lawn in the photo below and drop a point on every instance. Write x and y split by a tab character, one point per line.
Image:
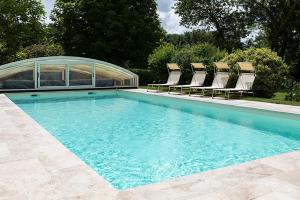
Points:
278	98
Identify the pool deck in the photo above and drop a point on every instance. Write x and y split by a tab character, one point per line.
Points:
231	102
34	165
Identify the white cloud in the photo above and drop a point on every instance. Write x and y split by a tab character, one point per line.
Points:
49	5
169	20
164	5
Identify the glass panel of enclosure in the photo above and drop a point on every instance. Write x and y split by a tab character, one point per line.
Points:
18	78
104	81
127	82
52	75
103	78
81	75
118	83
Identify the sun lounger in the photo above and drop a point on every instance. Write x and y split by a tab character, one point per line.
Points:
245	81
199	75
221	71
173	79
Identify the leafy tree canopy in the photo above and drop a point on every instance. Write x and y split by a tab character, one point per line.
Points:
190	38
232	20
123	32
38	50
21	24
227	17
280	21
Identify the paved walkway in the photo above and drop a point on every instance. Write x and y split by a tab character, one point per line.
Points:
34	165
231	102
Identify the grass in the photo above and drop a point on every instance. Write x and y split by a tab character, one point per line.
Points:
278	98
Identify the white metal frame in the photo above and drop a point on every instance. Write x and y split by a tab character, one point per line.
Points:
67	75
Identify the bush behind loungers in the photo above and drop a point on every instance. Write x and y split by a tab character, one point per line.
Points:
271	71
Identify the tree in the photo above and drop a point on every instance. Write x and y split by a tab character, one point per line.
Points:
123	32
190	38
280	21
21	25
226	17
38	50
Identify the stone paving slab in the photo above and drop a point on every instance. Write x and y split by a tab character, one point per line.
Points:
34	165
251	180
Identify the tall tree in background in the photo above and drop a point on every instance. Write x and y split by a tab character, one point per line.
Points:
191	38
123	32
21	25
226	17
280	21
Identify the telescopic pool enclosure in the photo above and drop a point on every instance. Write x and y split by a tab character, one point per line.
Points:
64	72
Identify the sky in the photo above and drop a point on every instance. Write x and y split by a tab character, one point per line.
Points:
169	20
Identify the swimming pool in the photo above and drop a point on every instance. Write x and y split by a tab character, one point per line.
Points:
135	139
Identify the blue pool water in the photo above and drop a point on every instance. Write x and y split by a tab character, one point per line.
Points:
134	139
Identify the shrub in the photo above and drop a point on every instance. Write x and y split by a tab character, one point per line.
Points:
271	71
38	50
184	56
158	60
293	89
204	53
145	76
295	67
